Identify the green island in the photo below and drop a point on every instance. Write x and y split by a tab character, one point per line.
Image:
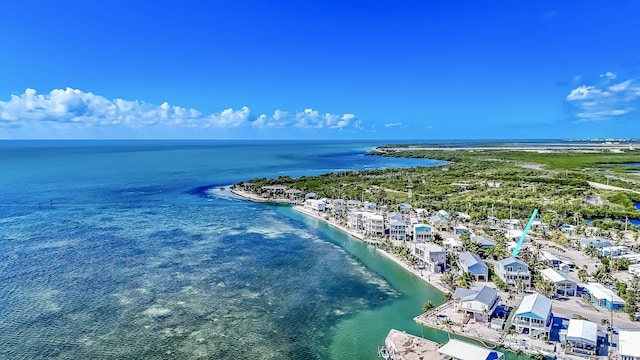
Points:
566	186
468	208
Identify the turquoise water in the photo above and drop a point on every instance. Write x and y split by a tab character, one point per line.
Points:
116	249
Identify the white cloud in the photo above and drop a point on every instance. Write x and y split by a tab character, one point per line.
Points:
604	102
390	125
308	118
72	108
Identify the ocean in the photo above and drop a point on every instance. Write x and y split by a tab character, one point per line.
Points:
127	249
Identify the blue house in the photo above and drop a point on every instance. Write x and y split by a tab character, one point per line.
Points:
603	297
471	263
483	241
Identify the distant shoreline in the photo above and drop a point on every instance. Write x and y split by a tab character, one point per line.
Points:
426	278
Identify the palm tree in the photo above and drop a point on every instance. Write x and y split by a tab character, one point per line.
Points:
446	297
583	274
428	306
591	251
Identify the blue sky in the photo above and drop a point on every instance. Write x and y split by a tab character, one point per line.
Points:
319	69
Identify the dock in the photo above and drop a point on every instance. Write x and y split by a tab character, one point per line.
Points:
402	346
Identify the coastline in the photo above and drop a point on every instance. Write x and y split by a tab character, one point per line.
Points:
429	278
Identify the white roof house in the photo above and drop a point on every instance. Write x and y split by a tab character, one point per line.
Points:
457	349
535	306
556	276
582	331
600	292
629	344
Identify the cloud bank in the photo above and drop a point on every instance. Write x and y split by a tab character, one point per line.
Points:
74	109
605	101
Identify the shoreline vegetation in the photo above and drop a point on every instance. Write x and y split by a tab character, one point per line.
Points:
579	191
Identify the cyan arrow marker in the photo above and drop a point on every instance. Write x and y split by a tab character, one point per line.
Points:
524	233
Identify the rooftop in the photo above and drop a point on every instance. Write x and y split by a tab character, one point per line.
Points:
470	259
483	294
430	247
482	240
629	343
458	349
583	331
598	291
535	305
512	260
555	275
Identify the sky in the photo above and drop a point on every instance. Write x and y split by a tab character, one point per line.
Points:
319	69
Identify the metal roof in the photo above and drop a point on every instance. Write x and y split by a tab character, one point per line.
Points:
511	260
629	343
482	240
458	349
535	305
556	276
472	262
600	292
483	294
583	331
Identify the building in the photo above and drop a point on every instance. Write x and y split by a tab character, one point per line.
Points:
397	229
483	241
471	263
533	316
461	229
629	344
355	220
595	242
294	194
460	350
440	221
315	205
616	250
604	297
582	337
563	284
452	244
373	223
513	271
549	257
432	256
422	232
405	208
477	303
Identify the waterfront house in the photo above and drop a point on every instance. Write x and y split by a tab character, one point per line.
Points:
315	205
355	220
477	303
459	350
582	337
338	206
353	204
512	271
604	297
397	229
311	195
595	242
294	194
432	256
483	241
373	223
452	244
422	232
533	316
471	263
563	284
369	206
629	344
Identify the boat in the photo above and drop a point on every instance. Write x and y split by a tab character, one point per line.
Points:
384	353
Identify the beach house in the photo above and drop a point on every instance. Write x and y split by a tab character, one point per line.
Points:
582	337
471	263
397	226
373	223
432	256
629	344
477	303
355	220
315	205
563	284
422	232
604	297
533	316
459	350
595	242
513	271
